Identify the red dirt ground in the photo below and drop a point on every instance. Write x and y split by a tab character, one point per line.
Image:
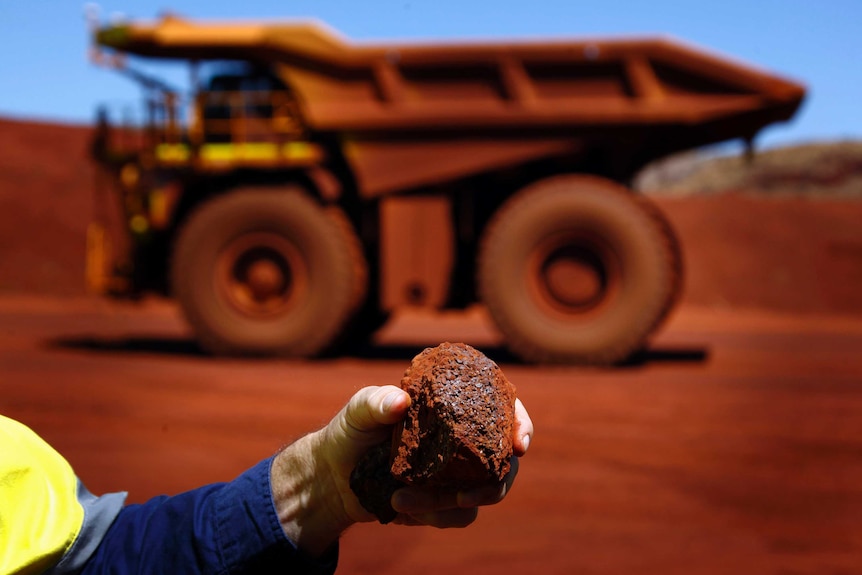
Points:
734	446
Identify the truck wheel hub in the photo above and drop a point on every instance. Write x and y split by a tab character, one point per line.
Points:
573	279
261	275
572	275
266	279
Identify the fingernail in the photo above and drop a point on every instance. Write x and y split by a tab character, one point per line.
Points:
526	442
390	400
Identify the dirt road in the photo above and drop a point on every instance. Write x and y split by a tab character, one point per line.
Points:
733	445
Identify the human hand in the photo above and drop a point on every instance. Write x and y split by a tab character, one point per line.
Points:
372	411
311	478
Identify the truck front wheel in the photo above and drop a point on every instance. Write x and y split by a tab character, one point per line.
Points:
574	269
265	272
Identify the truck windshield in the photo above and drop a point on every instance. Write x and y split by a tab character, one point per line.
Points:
245	105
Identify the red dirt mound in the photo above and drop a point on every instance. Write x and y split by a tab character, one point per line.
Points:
794	254
45	205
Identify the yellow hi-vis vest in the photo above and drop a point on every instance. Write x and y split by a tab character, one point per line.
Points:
40	511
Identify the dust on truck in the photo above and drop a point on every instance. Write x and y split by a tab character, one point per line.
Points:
305	187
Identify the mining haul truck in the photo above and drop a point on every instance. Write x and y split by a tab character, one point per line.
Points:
304	187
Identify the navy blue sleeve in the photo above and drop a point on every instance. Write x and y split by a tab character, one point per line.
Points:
221	529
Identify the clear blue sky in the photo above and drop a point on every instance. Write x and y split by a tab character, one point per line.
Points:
46	74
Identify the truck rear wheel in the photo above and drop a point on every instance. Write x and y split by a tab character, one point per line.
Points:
574	269
266	272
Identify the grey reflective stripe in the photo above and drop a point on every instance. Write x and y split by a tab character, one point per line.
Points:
99	513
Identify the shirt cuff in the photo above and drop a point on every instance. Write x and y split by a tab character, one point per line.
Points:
249	535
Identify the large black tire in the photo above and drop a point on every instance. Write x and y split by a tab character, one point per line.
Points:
266	272
575	269
671	240
366	317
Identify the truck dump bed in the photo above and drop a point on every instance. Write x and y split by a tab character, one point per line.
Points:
351	86
528	98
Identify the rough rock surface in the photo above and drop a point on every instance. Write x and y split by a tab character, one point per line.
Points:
457	433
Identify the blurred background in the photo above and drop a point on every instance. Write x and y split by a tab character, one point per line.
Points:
53	90
732	443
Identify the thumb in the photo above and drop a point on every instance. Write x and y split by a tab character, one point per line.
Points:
373	408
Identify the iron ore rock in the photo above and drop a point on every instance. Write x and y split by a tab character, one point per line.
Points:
457	433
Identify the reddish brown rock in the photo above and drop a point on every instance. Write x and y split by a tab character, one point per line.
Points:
458	429
457	433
